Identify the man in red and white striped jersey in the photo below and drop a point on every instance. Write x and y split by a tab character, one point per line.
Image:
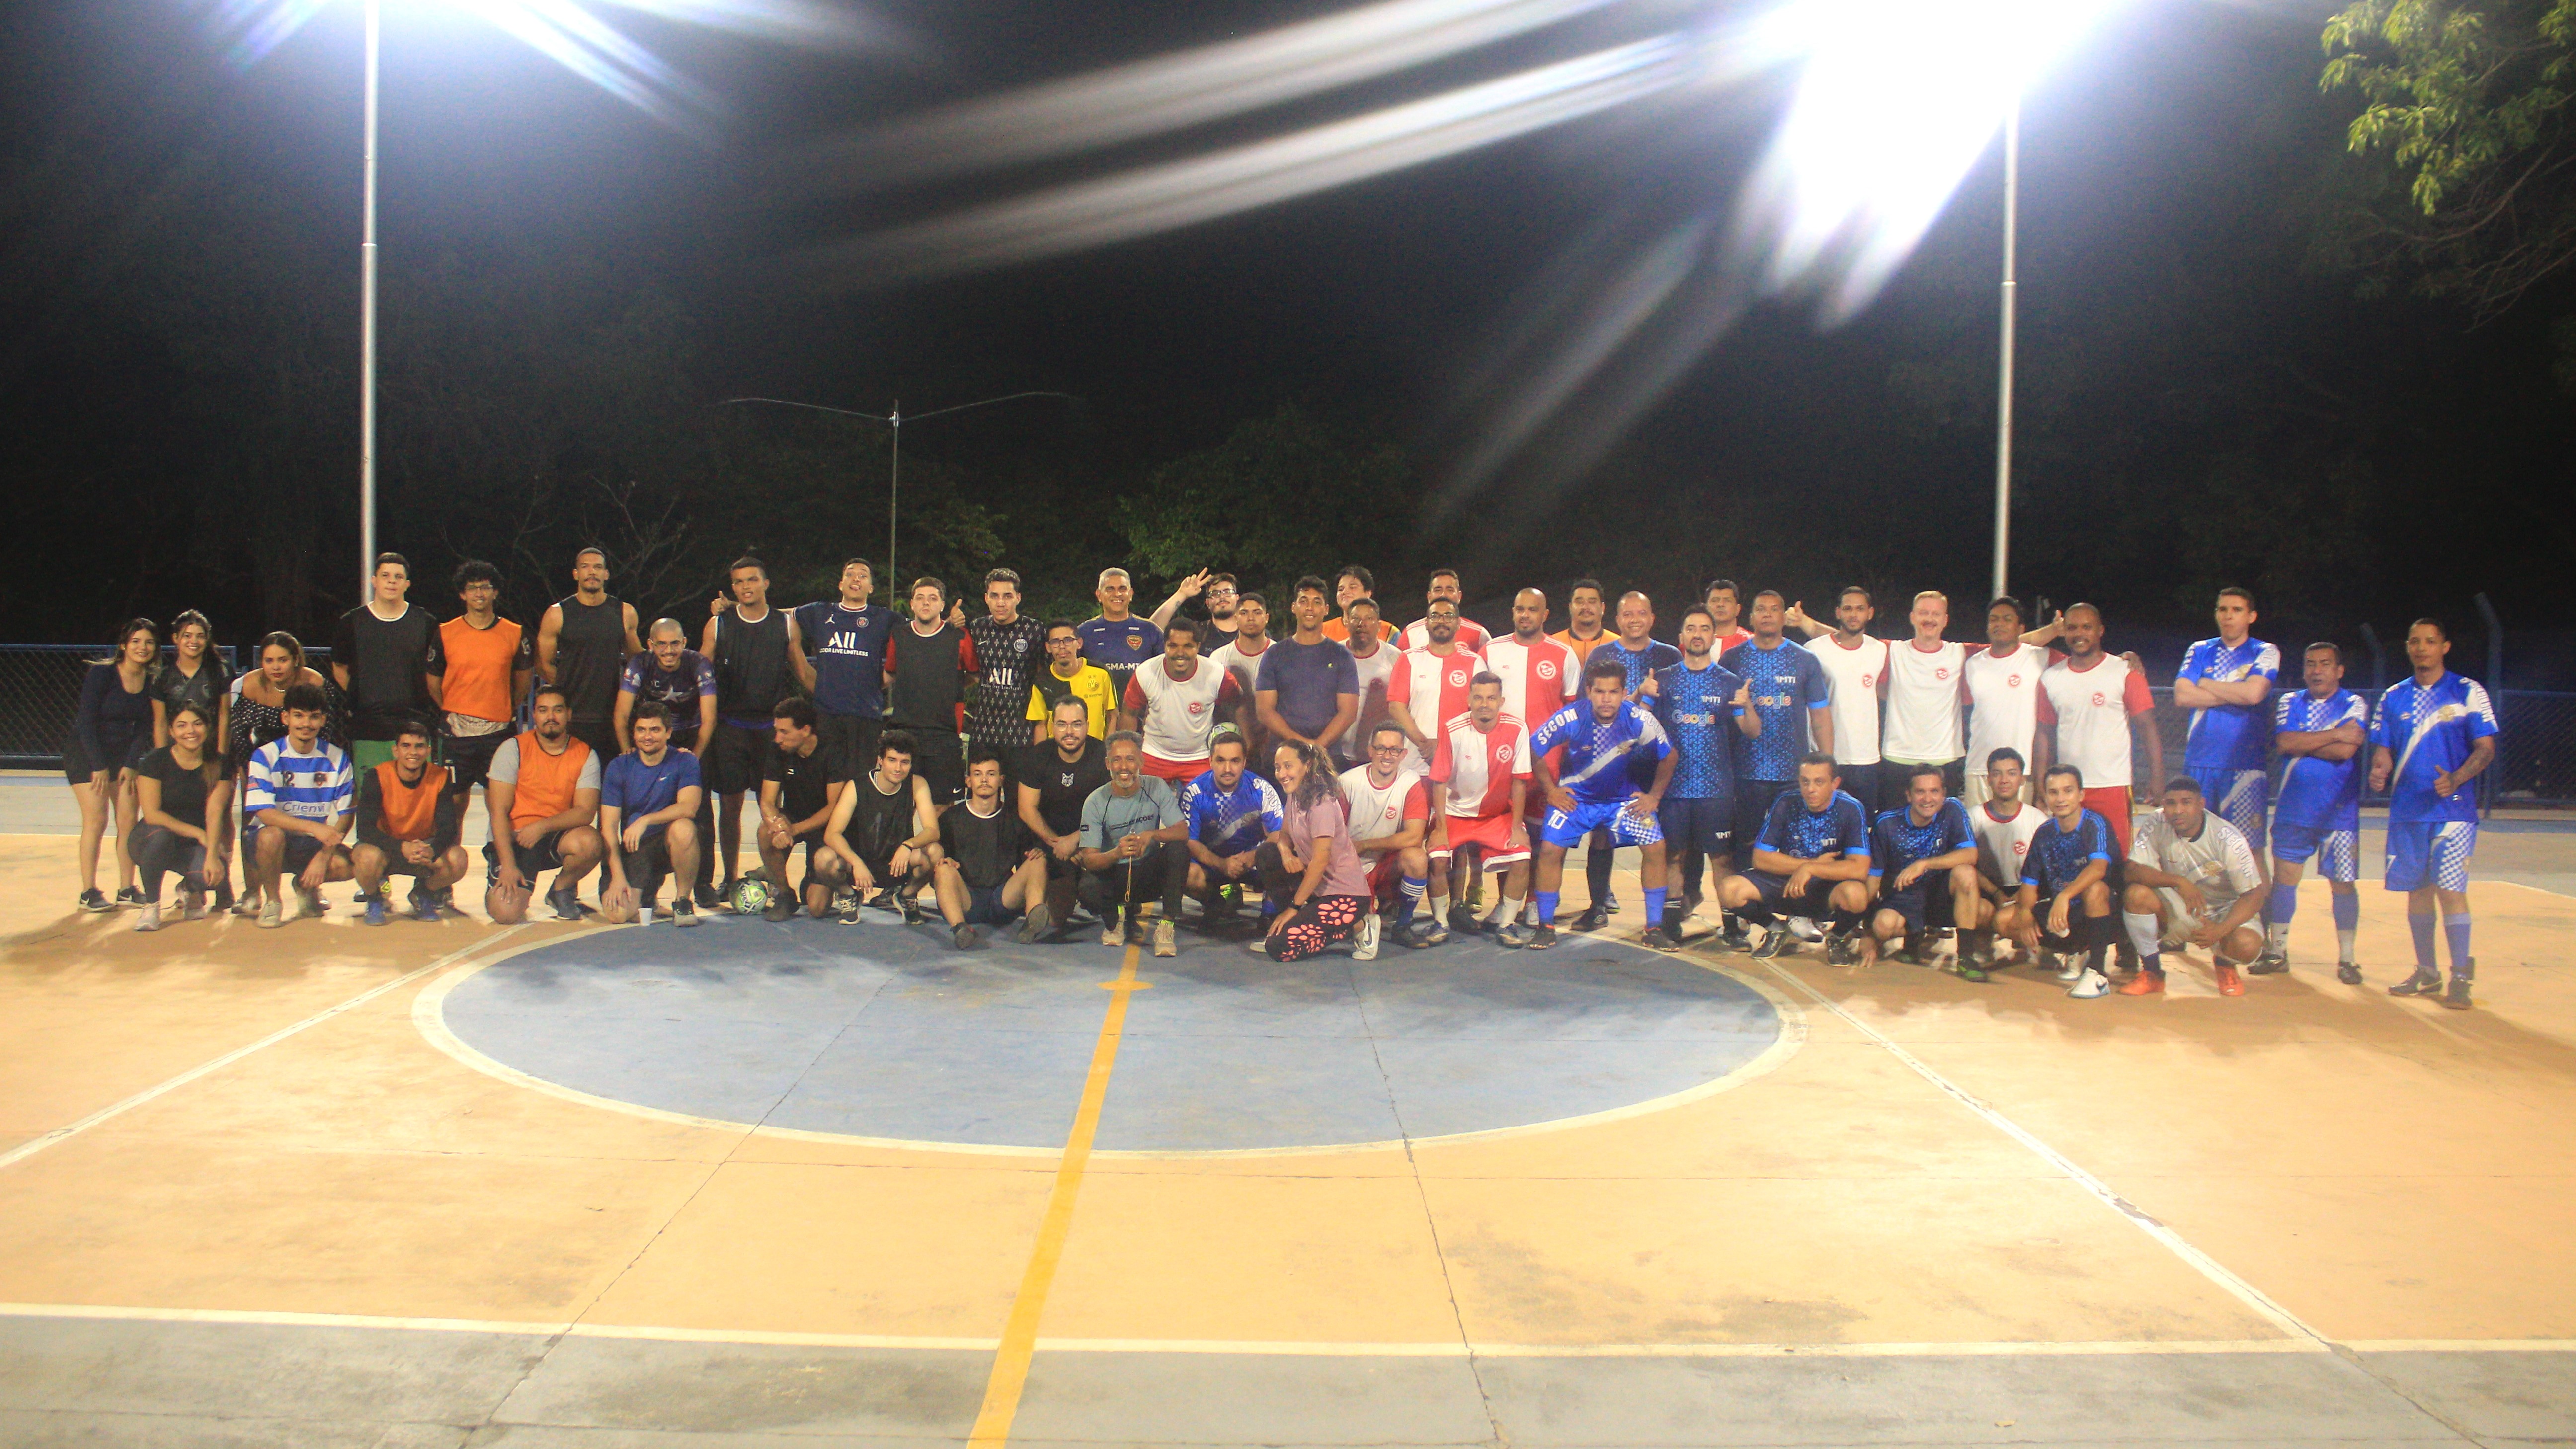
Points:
1428	688
1444	585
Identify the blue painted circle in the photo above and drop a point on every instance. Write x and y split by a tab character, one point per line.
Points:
882	1031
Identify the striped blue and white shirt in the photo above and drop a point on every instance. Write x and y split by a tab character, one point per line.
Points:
319	787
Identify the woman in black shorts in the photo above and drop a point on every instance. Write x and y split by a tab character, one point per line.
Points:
111	732
195	675
256	715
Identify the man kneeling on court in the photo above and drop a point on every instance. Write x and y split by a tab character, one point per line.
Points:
800	787
1131	848
648	810
1230	811
408	824
1390	825
1923	865
988	870
543	793
1810	860
2194	880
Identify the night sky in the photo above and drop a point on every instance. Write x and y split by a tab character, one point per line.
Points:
2198	395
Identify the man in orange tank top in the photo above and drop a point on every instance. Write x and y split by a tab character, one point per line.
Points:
543	793
408	824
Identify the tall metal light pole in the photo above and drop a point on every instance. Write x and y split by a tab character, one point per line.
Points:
367	337
894	470
2004	378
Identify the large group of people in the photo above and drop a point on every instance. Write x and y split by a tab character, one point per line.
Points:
1955	804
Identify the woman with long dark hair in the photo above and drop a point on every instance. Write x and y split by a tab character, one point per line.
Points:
196	675
1310	869
257	716
111	732
181	797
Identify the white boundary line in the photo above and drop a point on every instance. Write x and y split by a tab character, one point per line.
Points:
429	1017
1277	1348
2208	1267
41	1141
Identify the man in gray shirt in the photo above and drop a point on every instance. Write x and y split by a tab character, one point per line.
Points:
1133	836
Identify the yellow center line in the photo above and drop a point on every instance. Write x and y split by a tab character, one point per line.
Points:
1020	1334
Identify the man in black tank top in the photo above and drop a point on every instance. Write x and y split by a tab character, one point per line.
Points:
886	824
582	647
927	665
747	640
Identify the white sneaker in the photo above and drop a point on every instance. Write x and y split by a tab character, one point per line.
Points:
1365	948
1805	930
271	914
2089	984
1166	940
2070	968
150	920
1113	931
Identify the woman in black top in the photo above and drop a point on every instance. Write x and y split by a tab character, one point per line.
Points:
181	797
196	675
111	733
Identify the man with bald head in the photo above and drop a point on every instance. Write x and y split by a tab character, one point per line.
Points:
683	681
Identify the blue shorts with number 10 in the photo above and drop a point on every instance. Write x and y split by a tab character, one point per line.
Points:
1568	827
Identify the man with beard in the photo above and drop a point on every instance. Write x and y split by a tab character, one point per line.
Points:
1177	702
543	794
1444	588
583	643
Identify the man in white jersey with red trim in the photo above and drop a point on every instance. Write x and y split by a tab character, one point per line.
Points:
1481	771
1177	702
2001	682
1390	825
1444	586
2094	708
1375	659
1925	705
2004	824
1428	687
1855	665
2193	880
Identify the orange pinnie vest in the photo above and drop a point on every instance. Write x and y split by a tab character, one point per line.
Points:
545	781
409	812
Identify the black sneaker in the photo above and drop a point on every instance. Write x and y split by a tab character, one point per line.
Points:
1736	936
1592	919
94	899
1541	937
1463	922
966	938
1839	950
129	899
1409	937
884	900
2270	963
913	914
683	911
2348	973
1656	938
1609	905
2423	983
1514	935
1774	941
710	899
2457	996
779	910
1427	933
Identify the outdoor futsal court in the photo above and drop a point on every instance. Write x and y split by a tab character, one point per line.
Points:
780	1185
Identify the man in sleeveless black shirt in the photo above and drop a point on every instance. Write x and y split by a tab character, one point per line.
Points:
747	641
583	644
928	663
885	825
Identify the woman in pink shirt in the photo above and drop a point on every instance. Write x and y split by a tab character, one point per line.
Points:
1309	868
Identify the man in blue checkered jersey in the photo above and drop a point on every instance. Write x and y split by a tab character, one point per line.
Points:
2434	734
1923	865
2226	682
1231	811
1809	860
2320	731
1606	741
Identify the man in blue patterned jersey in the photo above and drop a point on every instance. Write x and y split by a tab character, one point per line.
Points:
1810	859
1923	866
1607	742
2226	682
1794	701
1704	708
2066	885
2434	734
1642	656
1230	811
2320	731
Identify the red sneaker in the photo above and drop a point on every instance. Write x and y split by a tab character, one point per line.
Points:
2229	983
2145	983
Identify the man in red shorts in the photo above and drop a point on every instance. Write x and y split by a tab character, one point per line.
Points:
1390	815
1480	779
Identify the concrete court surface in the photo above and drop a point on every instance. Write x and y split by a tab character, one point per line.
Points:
446	1185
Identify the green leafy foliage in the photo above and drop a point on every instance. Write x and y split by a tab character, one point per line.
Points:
1285	495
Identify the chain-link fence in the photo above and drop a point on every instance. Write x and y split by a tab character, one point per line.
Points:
40	687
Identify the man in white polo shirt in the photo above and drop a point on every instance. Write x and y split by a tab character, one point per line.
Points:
2002	685
1924	704
1176	702
1856	675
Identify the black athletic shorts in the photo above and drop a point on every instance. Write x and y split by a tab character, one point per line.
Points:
645	868
469	759
854	739
1927	902
732	762
534	860
300	850
1816	902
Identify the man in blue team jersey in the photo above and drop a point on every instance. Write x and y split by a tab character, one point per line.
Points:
1809	860
1230	811
1607	741
2320	732
2067	883
1793	699
1923	866
1640	654
2226	683
838	651
1115	639
1704	708
2434	734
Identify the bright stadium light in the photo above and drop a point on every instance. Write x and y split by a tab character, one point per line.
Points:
568	33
